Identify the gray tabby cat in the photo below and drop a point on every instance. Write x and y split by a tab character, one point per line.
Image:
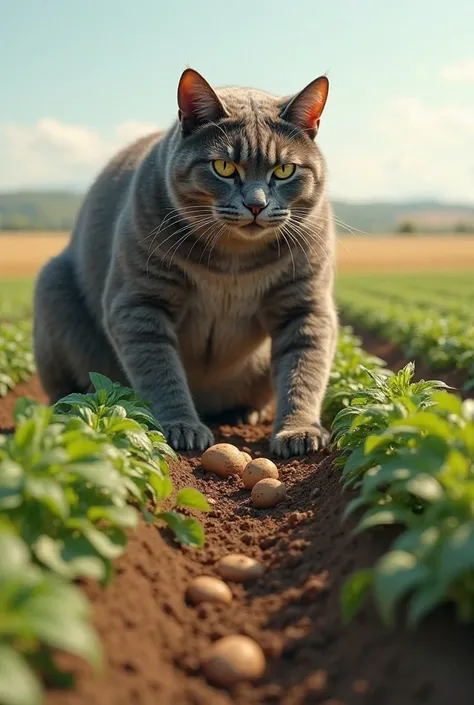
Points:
200	270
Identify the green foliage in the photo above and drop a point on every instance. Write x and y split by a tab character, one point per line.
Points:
429	317
16	299
408	449
67	475
16	358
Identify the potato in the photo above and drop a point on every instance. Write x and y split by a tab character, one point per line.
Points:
239	568
234	659
205	588
268	493
224	459
257	470
247	457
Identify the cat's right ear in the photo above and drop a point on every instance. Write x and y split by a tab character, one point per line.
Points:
197	102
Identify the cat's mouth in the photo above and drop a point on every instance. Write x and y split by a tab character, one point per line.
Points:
253	227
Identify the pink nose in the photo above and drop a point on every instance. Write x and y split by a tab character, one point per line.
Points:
255	210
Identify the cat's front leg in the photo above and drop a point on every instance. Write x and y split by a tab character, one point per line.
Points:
144	337
303	343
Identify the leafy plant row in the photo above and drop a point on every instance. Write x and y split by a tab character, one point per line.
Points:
408	449
67	477
16	358
444	341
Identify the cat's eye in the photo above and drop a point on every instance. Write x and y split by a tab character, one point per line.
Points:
223	168
284	171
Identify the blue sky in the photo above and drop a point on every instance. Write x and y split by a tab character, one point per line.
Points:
79	79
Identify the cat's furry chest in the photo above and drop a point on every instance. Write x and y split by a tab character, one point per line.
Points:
222	325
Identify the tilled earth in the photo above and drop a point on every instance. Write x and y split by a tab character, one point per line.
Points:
154	640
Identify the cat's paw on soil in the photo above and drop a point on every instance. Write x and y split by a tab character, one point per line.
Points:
299	440
192	435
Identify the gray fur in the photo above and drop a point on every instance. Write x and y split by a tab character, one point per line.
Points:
162	288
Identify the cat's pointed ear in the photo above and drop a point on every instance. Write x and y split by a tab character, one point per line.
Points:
197	101
306	107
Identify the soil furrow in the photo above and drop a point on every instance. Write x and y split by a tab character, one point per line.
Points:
153	640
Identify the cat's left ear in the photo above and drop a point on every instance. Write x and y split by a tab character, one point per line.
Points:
305	109
198	103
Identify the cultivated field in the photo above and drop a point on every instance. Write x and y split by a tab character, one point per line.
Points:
22	254
90	491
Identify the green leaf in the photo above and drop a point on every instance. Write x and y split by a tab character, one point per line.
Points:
457	554
191	499
18	685
14	554
425	487
187	530
50	493
62	630
424	601
71	558
379	517
110	545
396	574
163	486
101	382
125	517
354	592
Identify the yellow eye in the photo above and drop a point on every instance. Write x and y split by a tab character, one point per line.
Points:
224	168
284	171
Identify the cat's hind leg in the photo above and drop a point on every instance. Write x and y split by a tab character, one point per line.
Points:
67	343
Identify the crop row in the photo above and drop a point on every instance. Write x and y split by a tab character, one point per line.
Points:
407	448
68	476
16	357
444	341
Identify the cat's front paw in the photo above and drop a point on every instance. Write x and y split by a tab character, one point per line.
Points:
193	435
299	440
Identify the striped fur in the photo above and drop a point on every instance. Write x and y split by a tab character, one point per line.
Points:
171	284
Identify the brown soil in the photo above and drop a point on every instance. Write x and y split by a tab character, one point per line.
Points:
153	639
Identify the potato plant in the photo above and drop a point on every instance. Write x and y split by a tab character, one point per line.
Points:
408	450
16	357
73	479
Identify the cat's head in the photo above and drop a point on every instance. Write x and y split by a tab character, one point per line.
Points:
246	166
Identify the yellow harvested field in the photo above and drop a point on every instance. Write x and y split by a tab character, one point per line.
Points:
23	254
405	253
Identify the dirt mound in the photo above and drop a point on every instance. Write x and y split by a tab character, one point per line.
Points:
153	639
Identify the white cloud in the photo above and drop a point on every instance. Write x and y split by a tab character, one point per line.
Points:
421	152
54	152
459	72
414	150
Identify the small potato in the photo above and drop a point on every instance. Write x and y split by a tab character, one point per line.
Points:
224	459
257	470
234	659
268	493
205	588
239	568
247	457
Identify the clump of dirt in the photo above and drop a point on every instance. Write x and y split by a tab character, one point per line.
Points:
31	389
153	639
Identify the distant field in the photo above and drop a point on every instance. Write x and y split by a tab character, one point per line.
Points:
23	254
405	253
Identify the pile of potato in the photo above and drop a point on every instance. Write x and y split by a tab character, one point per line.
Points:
259	475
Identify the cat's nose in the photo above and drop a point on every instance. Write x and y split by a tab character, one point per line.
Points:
255	210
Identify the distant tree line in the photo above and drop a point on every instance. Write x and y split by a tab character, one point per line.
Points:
408	227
